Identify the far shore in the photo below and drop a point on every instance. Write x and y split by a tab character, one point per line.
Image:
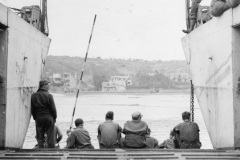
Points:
135	92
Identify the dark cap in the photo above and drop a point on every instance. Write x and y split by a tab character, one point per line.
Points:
43	82
78	121
136	114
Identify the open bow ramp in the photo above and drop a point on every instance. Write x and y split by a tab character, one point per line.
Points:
120	154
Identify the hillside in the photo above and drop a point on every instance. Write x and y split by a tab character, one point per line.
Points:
144	74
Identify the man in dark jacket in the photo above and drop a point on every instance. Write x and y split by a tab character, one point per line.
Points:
188	133
135	132
44	113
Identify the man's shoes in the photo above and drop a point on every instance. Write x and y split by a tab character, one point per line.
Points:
187	31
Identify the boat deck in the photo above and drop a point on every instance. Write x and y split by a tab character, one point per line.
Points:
120	154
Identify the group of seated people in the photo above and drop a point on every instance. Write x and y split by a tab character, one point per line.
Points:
137	135
217	8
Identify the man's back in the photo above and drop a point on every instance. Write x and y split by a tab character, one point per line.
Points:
42	104
108	132
189	131
135	132
135	127
79	138
188	135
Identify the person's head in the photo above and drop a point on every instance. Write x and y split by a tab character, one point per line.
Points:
44	84
136	116
171	134
79	122
109	115
186	115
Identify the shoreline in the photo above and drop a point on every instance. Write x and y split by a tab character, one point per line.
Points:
135	92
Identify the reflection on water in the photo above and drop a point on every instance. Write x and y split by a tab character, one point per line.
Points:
161	112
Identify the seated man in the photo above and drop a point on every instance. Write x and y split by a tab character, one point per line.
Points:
58	136
151	141
218	7
168	143
233	3
135	132
79	138
109	133
193	15
68	132
188	133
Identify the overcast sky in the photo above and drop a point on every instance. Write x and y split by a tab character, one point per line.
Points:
137	29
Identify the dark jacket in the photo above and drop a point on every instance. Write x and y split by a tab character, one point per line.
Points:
42	104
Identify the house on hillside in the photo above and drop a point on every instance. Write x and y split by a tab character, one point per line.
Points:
178	76
70	82
57	79
117	84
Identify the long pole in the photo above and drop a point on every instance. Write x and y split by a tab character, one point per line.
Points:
82	72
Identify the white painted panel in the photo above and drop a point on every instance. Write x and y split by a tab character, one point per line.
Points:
27	50
18	116
3	14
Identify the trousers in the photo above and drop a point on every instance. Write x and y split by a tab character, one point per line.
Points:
45	124
194	9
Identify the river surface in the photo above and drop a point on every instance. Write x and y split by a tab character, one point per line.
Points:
160	111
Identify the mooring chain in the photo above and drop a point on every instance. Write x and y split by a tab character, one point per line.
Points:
192	101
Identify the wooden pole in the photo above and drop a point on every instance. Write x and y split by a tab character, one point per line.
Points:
82	72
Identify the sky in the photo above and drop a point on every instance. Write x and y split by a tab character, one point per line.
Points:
136	29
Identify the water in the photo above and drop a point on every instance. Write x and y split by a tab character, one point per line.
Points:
161	112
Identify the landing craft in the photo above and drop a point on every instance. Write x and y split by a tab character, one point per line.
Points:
24	46
23	49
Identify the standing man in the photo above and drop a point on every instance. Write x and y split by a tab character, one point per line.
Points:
135	132
193	15
188	133
109	133
44	113
79	138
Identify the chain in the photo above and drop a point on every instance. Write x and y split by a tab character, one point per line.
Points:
192	102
